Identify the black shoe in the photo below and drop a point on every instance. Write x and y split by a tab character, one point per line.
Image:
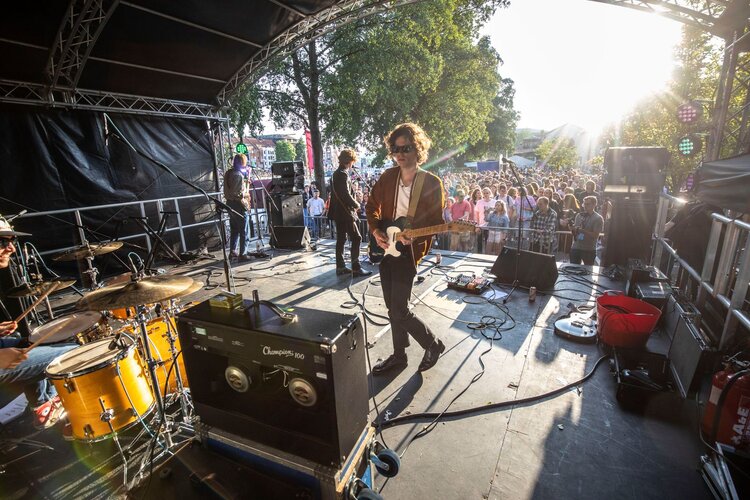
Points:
343	270
358	271
392	362
431	355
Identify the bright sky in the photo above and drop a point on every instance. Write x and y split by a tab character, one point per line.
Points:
579	61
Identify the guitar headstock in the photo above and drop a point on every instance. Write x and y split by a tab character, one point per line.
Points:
460	226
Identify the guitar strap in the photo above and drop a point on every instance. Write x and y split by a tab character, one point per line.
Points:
416	192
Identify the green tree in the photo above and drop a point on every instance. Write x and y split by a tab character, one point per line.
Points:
557	153
246	111
300	150
284	151
421	62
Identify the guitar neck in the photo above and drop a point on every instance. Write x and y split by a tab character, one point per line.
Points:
425	231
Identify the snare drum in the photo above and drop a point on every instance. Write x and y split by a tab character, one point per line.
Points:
83	327
102	390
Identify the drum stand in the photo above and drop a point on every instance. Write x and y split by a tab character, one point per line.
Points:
186	403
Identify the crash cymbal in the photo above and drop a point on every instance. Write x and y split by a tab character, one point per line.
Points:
144	291
90	250
197	285
27	290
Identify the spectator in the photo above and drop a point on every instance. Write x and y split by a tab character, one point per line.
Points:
498	218
586	229
544	226
315	207
461	210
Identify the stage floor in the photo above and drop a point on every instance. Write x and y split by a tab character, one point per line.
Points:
578	444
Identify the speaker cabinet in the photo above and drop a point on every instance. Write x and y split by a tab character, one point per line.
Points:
291	237
288	168
534	269
297	386
637	166
628	231
286	210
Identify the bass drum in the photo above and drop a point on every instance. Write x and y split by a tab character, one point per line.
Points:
157	330
102	390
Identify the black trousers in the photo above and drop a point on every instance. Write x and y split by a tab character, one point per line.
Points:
237	226
344	228
396	279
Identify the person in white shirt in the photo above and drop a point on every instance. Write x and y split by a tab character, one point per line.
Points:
316	207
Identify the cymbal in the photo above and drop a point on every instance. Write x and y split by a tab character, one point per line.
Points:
197	285
90	250
144	291
39	288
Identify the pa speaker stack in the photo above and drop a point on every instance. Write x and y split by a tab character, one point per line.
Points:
286	206
634	179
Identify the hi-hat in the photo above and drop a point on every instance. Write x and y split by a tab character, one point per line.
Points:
26	289
145	291
90	250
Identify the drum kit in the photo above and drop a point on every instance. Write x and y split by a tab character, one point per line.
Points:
127	370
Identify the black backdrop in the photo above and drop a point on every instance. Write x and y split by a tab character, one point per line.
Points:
58	159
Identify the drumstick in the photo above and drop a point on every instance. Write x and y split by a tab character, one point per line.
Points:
37	302
31	307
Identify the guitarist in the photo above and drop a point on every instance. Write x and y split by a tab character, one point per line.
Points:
390	199
343	211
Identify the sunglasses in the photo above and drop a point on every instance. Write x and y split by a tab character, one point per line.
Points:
402	149
6	242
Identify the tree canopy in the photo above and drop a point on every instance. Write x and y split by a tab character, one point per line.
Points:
285	151
423	62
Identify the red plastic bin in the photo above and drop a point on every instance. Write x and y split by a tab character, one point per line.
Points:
624	321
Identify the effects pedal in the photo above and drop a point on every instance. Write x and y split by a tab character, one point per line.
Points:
468	283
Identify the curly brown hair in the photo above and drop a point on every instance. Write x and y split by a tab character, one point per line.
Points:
346	156
416	136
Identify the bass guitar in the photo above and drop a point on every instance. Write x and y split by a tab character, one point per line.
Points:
400	226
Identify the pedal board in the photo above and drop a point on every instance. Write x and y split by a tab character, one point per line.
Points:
468	283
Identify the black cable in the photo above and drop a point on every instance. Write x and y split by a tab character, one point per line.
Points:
501	404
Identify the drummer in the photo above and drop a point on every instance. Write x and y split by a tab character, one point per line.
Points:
25	370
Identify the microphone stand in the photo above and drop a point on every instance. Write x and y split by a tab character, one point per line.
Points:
513	170
227	269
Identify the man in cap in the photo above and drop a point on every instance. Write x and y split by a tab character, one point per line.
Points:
19	367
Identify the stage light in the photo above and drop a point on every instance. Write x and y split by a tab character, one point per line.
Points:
240	148
689	145
689	112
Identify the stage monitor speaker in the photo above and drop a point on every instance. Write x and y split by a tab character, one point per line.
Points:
534	269
628	231
290	237
286	210
637	166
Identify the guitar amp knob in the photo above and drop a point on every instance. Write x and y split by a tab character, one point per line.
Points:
303	392
237	379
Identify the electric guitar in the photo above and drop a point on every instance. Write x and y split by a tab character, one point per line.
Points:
400	226
578	325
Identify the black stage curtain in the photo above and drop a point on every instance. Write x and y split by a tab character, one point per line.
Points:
725	183
58	159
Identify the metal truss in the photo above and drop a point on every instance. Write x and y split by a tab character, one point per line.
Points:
703	14
40	95
76	37
308	29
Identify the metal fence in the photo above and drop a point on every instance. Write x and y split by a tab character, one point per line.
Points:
725	272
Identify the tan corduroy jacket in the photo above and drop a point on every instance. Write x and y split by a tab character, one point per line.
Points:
381	207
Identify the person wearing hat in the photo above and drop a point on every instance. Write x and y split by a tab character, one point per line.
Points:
19	367
236	194
343	211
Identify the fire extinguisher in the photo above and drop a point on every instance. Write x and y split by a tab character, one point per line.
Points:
726	418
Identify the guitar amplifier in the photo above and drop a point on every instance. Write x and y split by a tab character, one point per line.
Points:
297	386
690	352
